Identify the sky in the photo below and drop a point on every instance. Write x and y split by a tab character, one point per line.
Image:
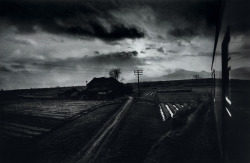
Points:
68	42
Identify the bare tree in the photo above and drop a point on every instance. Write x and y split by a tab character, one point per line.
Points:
115	73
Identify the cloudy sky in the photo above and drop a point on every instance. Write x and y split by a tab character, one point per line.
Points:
67	42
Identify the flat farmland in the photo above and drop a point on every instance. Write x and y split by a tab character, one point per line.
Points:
22	123
28	119
65	142
56	109
184	94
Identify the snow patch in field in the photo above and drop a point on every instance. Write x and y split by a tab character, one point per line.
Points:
170	112
175	107
162	115
229	112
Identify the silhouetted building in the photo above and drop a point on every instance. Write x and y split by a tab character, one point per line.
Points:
101	88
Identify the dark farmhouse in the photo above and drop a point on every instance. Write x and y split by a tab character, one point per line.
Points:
97	89
103	88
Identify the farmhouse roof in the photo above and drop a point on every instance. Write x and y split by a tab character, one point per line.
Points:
103	82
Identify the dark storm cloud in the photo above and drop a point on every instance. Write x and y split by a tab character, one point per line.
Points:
20	41
114	58
200	54
94	18
117	32
180	44
90	18
4	69
161	50
243	56
185	32
203	54
187	17
96	52
124	58
160	37
18	66
57	40
150	46
172	51
237	15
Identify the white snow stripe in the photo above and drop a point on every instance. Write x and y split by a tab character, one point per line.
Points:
162	115
175	107
228	101
229	112
170	112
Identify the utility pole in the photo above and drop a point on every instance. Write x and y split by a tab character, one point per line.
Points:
137	73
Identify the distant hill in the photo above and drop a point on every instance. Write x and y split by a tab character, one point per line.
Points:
180	74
